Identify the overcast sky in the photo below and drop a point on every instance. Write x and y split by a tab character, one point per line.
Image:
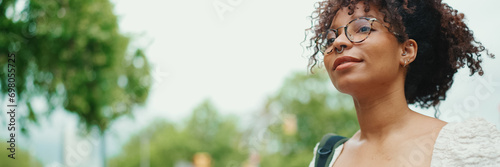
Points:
241	54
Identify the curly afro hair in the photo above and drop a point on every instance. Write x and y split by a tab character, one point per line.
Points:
445	42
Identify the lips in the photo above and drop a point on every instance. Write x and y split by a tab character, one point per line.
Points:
347	60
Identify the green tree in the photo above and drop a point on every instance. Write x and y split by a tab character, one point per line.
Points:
205	131
72	54
317	108
23	157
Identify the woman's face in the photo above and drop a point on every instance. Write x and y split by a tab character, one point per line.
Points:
364	66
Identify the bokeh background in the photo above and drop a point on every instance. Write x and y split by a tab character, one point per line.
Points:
200	83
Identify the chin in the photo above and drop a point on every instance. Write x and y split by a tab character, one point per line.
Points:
346	89
347	85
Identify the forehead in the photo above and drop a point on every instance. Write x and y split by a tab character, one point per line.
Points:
342	16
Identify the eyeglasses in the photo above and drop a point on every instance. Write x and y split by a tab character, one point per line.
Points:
356	31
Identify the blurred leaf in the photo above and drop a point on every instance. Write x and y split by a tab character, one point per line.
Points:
206	131
72	51
23	157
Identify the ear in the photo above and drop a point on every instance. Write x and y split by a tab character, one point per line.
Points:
408	52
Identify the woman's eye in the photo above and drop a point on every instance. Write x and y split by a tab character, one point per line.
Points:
330	41
364	29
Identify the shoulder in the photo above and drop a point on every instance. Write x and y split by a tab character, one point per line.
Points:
472	142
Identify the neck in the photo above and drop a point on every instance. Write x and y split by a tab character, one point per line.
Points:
382	114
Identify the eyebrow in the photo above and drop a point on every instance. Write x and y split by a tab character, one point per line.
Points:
354	17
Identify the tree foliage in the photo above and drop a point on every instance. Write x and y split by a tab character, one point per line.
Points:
206	131
72	54
23	158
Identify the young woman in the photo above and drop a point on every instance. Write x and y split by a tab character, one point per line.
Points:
387	54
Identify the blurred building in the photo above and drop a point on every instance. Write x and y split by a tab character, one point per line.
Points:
290	124
80	150
253	160
202	159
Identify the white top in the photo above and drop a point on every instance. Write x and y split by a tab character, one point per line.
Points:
474	142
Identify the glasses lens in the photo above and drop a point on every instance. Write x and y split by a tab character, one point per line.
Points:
327	44
358	30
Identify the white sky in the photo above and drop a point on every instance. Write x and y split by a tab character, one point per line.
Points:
239	60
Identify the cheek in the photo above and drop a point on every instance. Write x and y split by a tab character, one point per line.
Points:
382	57
327	61
382	67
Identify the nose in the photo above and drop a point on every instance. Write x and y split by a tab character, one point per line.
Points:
342	42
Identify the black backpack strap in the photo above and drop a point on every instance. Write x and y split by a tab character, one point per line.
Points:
326	148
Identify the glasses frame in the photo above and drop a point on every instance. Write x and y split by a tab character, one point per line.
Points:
324	39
